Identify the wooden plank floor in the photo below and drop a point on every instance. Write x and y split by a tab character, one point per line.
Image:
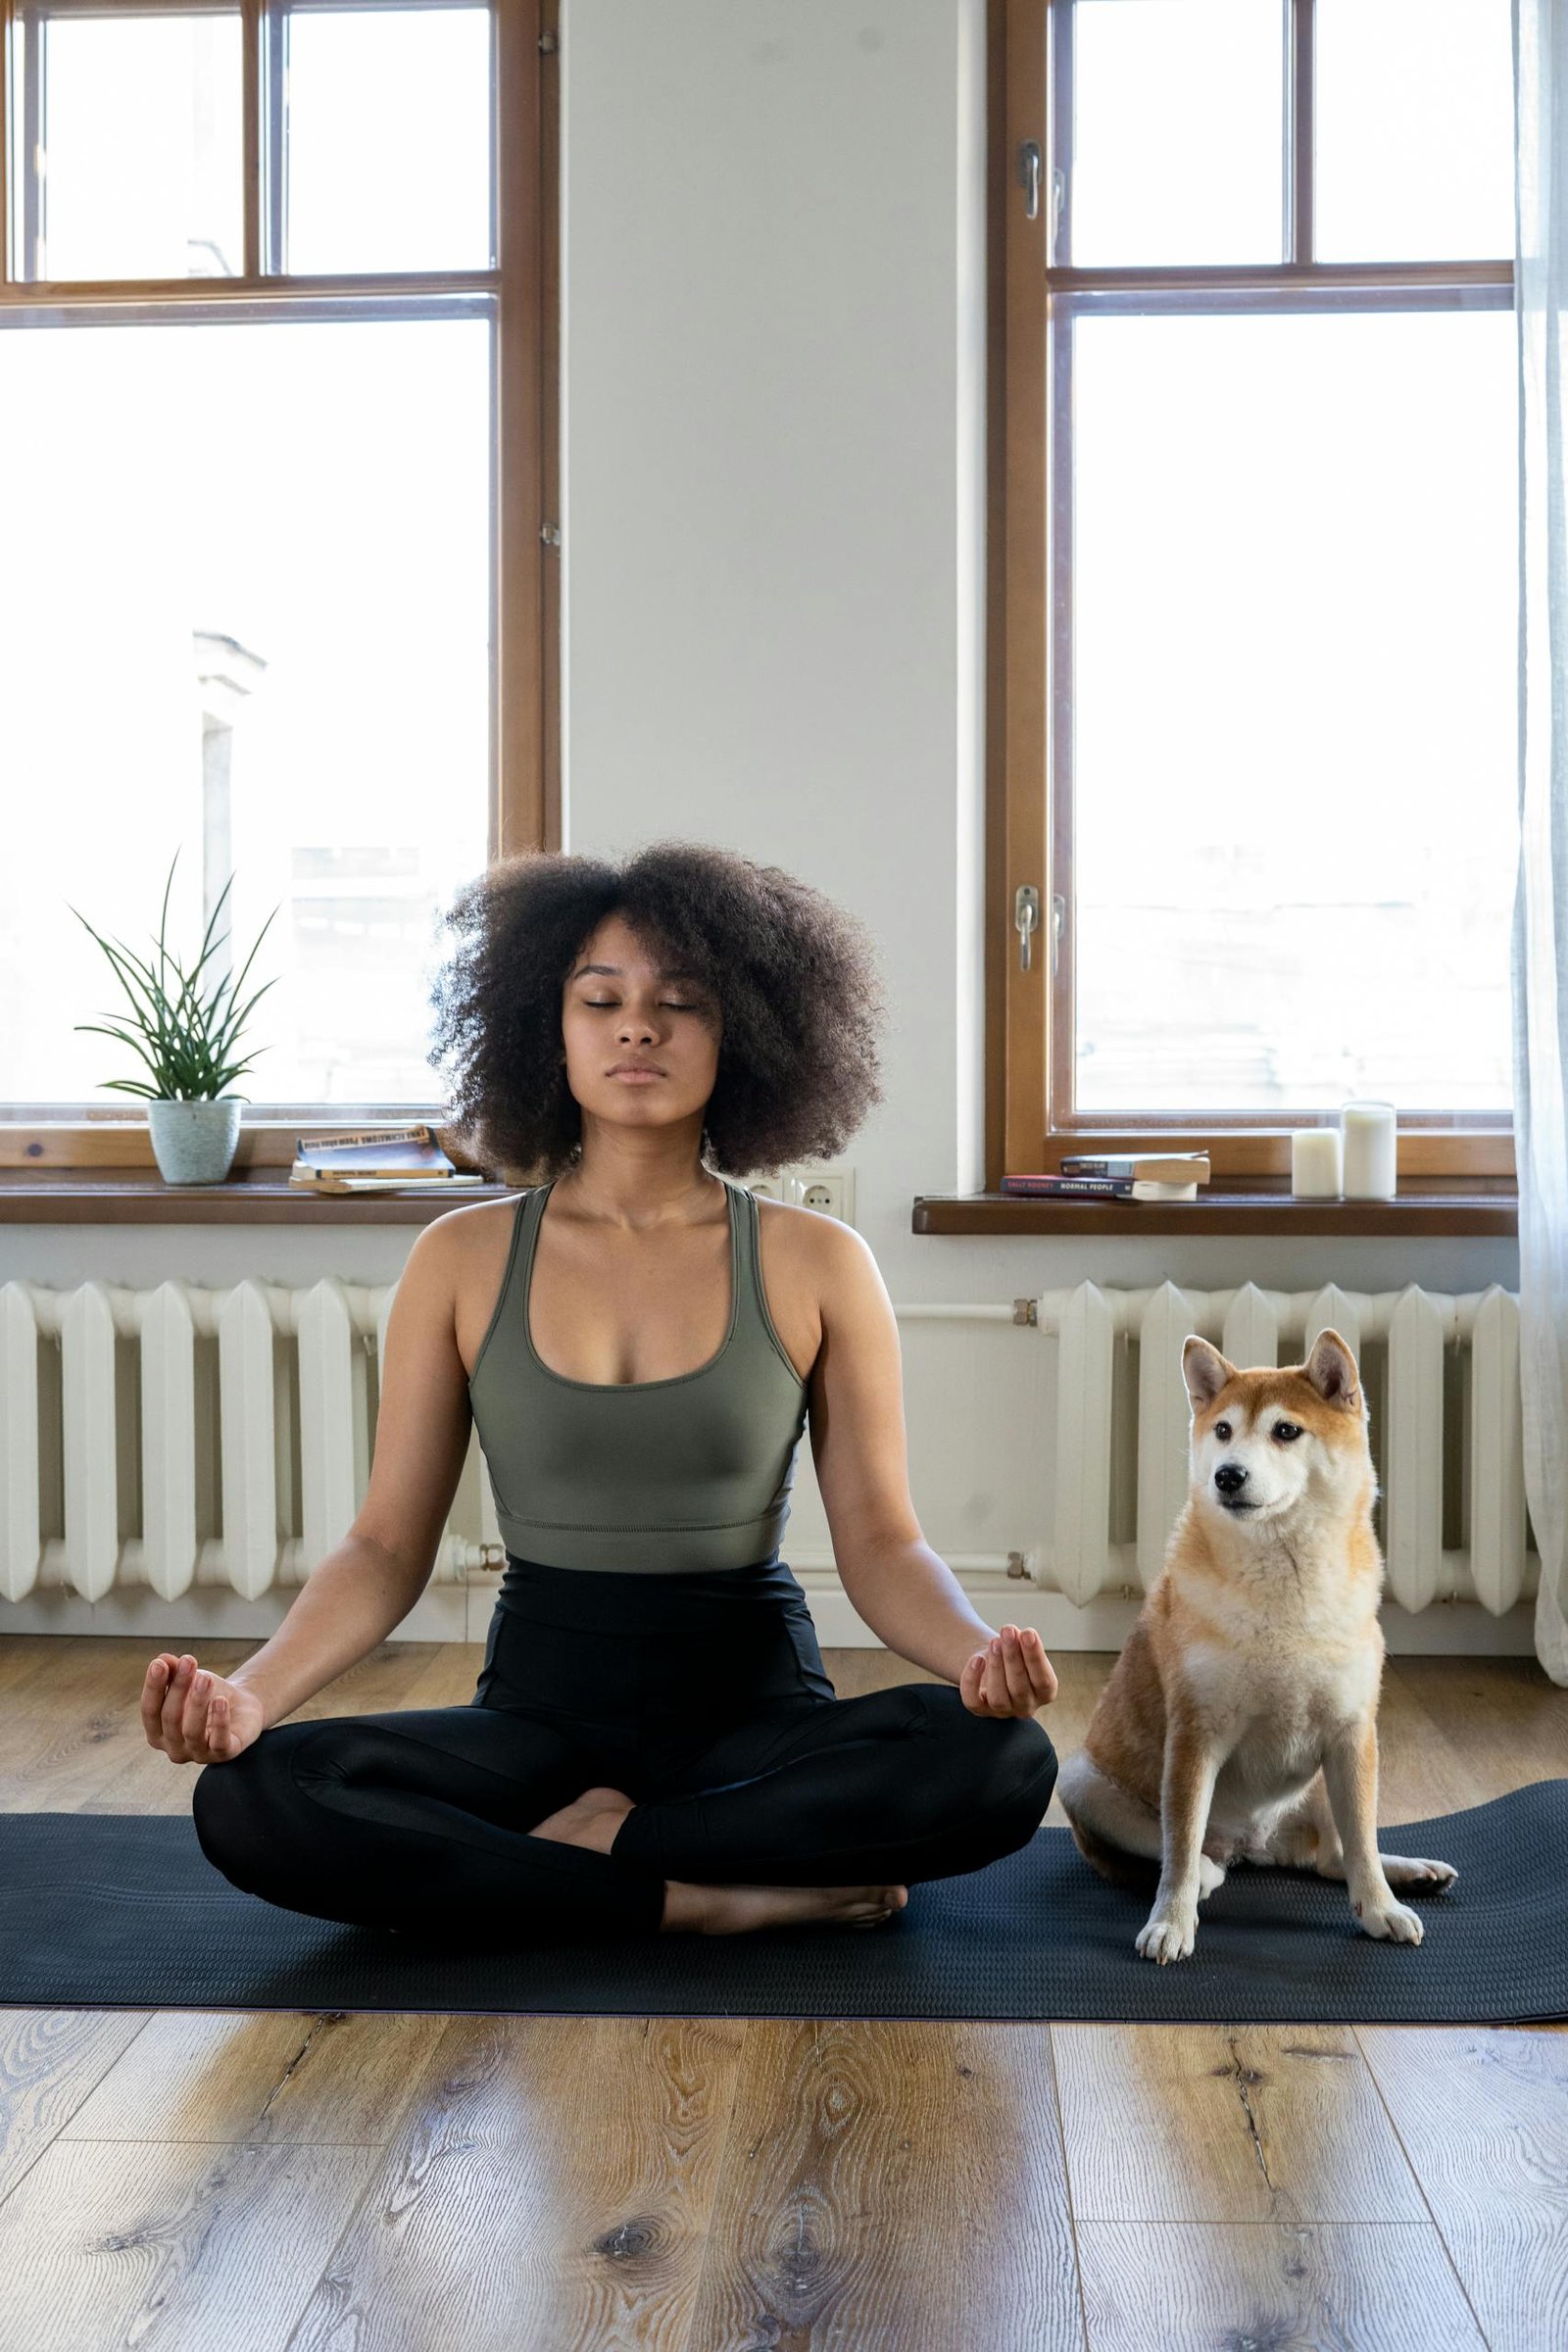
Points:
273	2181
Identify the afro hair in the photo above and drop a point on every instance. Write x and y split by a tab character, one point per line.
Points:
795	977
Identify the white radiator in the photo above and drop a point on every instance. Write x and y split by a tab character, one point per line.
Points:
1441	1374
145	1451
178	1438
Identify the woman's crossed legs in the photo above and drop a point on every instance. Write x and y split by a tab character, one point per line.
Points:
423	1819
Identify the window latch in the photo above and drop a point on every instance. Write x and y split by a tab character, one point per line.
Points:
1026	919
1029	174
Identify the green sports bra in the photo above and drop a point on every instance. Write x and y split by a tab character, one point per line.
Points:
657	1475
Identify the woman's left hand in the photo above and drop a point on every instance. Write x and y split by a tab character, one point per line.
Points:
1010	1676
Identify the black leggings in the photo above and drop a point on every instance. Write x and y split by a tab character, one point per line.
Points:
702	1696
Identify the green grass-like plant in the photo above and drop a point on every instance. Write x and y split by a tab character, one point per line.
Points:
184	1043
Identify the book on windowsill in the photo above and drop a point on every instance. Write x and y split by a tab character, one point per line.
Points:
1154	1167
375	1161
1096	1188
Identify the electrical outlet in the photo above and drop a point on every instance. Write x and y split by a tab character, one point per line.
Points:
828	1190
767	1188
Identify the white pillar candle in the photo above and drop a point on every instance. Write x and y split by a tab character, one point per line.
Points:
1315	1163
1371	1150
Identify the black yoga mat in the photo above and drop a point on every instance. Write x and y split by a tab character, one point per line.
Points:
116	1910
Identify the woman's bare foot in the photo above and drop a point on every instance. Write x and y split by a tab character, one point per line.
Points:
731	1910
590	1820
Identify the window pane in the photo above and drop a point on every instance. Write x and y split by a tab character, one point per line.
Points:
1178	132
140	120
1413	132
1295	794
388	140
244	613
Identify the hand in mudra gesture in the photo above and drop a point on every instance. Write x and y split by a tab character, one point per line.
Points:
1010	1676
193	1716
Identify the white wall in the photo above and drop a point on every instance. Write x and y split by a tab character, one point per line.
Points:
772	488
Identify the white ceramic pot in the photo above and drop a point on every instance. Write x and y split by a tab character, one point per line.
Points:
194	1142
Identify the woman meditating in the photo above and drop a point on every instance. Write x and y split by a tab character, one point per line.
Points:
653	1743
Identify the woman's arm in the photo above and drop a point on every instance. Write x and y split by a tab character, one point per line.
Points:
907	1594
908	1588
912	1602
347	1606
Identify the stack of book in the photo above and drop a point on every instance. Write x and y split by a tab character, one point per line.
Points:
376	1160
1119	1176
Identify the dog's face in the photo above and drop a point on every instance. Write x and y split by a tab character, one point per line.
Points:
1279	1440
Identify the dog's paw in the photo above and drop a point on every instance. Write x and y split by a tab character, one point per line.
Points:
1393	1922
1400	1870
1168	1935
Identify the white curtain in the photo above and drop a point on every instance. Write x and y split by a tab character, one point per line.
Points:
1540	957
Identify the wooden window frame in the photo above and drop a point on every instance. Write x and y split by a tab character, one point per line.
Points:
1029	1021
524	788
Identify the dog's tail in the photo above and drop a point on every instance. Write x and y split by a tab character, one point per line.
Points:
1115	1863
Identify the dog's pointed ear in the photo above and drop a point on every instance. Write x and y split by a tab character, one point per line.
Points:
1205	1370
1331	1370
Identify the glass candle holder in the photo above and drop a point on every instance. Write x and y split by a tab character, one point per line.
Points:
1370	1164
1316	1170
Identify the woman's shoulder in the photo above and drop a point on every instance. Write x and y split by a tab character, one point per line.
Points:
811	1232
470	1241
469	1218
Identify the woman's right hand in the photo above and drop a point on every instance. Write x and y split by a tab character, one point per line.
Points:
196	1717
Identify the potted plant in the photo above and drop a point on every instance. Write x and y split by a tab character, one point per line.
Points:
185	1044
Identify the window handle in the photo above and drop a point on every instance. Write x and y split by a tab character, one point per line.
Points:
1029	174
1025	918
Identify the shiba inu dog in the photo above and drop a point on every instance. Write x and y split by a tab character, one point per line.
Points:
1239	1722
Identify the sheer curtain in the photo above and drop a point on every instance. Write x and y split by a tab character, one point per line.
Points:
1539	956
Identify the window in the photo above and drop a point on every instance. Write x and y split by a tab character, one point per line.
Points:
1253	576
277	590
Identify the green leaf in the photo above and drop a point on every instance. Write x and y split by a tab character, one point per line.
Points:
122	1037
251	958
115	956
239	1018
163	920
